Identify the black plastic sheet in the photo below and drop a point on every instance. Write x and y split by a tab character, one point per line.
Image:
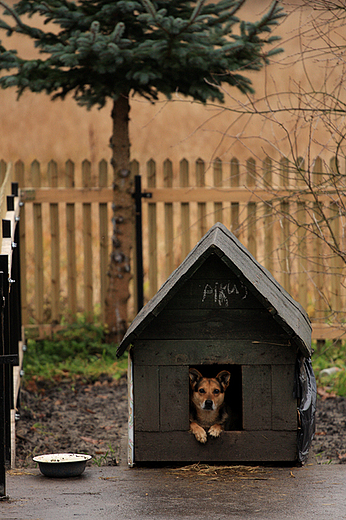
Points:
306	394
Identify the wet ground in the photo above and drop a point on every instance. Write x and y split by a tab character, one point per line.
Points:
112	493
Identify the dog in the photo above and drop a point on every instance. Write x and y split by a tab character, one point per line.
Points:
208	411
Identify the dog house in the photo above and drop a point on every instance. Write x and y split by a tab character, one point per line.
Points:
220	309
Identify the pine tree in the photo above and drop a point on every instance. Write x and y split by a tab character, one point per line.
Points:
102	49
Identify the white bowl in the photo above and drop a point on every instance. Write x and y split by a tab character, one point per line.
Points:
62	464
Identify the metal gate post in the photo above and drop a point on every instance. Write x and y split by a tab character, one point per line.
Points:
10	331
138	195
2	395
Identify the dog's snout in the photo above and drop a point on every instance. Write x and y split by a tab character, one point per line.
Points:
208	404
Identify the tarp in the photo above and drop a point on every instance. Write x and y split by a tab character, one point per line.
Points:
306	393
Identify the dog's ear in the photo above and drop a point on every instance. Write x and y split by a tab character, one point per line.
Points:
223	378
194	376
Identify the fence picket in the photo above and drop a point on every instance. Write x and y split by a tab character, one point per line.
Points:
301	234
38	244
184	210
201	206
285	266
268	216
217	171
251	208
71	245
336	264
103	234
235	178
3	169
168	207
318	263
55	245
87	242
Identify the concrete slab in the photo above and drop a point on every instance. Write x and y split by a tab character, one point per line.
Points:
311	492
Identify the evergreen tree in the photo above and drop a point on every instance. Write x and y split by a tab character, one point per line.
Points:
100	49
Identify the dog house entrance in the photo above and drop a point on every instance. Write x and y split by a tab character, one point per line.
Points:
233	395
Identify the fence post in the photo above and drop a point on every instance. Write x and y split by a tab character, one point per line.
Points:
184	210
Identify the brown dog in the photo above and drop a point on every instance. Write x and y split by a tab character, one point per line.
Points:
207	407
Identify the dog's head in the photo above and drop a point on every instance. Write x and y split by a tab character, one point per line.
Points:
208	393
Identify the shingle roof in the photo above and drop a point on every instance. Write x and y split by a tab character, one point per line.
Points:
219	240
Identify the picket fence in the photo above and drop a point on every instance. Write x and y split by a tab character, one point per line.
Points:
66	232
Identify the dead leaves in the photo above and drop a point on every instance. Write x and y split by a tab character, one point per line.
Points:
90	440
324	393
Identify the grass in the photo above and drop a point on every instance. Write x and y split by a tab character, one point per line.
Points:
331	354
77	351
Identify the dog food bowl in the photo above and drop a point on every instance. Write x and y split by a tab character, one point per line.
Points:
62	464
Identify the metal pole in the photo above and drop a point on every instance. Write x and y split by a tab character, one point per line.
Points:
139	242
2	399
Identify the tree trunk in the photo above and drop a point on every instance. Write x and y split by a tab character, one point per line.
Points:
119	267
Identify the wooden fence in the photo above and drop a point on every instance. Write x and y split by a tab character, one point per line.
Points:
66	231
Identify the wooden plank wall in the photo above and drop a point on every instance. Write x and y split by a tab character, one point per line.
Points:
65	231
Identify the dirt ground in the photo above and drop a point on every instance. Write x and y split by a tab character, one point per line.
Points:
77	418
91	418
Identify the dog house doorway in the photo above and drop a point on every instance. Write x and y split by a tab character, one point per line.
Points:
233	395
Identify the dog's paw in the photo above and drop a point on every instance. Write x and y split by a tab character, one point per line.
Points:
201	436
215	430
199	433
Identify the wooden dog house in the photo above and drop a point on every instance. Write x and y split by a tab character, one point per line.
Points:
220	309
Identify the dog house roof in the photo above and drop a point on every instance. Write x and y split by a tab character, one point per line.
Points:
220	241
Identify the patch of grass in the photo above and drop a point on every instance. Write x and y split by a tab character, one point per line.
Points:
331	355
77	351
109	457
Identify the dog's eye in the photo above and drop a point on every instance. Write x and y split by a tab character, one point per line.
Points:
201	391
216	391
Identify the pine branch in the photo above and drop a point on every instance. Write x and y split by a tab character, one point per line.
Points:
21	27
13	14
